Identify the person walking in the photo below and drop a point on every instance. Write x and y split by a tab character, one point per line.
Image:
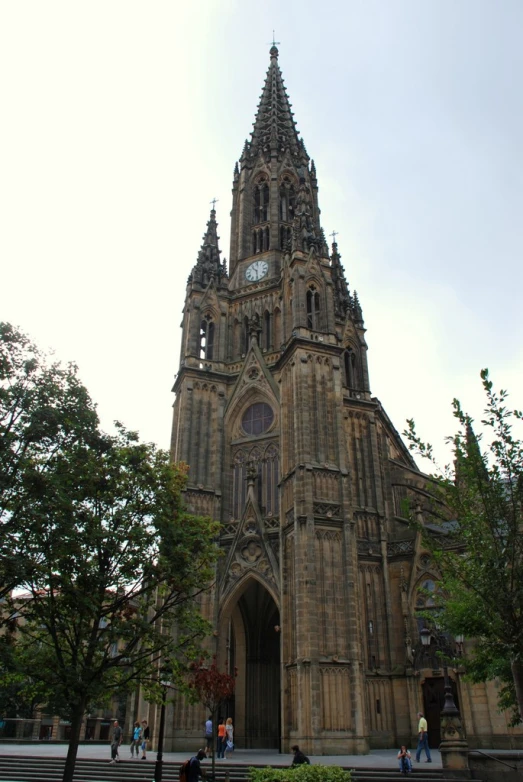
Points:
423	739
220	740
145	738
404	760
208	737
229	737
136	739
116	741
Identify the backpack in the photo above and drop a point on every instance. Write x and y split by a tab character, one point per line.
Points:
184	770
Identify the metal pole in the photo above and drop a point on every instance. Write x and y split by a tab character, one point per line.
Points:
158	767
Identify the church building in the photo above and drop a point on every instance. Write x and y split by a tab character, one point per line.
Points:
316	594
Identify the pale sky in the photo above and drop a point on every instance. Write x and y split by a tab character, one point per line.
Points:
121	120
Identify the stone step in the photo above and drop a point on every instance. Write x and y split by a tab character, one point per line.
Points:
43	769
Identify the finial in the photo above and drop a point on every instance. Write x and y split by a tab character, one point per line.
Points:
274	50
334	234
214	202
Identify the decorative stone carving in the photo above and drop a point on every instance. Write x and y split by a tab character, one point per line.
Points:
400	547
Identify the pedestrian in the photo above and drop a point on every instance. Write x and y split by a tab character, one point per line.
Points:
404	760
229	738
115	742
194	770
145	739
299	758
220	740
136	739
208	737
423	739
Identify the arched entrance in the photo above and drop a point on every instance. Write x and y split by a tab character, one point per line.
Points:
252	646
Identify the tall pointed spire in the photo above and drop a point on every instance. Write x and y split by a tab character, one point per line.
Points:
274	128
208	265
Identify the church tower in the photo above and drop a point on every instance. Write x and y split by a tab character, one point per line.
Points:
314	600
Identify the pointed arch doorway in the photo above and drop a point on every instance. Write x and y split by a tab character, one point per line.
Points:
250	642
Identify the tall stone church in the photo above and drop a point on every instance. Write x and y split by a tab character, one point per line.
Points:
316	593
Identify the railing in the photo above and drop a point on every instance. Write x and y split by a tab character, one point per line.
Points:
493	757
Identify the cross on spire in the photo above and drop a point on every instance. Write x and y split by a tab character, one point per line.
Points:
274	43
214	202
334	234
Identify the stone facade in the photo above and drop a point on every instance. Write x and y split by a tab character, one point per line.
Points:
315	596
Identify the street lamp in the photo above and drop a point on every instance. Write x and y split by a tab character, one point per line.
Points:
441	645
453	747
158	766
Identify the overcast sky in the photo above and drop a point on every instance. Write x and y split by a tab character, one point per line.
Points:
121	120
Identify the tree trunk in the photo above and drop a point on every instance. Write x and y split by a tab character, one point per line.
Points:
517	674
72	750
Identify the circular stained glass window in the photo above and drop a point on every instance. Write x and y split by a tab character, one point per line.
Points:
257	419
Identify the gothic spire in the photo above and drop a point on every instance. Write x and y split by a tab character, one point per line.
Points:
274	127
208	265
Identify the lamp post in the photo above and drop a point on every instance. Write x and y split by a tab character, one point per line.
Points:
453	747
158	766
442	645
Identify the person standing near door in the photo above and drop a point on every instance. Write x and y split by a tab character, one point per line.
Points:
423	739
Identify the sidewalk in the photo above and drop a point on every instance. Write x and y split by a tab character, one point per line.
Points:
377	758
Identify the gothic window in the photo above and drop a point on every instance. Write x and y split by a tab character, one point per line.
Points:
287	199
270	480
276	335
426	594
207	338
266	240
261	202
266	484
266	337
239	487
313	308
349	365
257	419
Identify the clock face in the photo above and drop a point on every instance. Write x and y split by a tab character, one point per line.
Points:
256	271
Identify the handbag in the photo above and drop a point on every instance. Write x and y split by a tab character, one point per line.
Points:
230	745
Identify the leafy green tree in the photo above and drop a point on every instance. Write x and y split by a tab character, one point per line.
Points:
479	551
119	566
44	410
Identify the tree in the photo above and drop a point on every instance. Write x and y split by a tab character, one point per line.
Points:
44	410
479	551
118	565
211	688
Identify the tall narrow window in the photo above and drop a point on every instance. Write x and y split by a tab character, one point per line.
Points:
267	330
271	466
313	308
207	338
264	203
287	197
349	362
261	202
239	487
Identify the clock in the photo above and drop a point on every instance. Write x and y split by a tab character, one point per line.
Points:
256	271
